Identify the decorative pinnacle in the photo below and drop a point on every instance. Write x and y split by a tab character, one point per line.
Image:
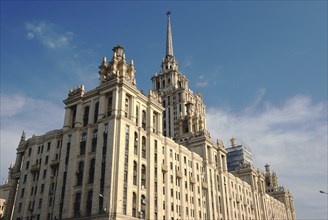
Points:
169	43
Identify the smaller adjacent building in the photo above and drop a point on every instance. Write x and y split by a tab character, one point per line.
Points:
4	192
238	155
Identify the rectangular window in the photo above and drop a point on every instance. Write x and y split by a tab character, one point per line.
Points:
22	193
42	188
95	114
92	171
109	104
40	203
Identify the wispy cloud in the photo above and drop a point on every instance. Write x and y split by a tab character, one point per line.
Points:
19	113
292	137
187	62
202	81
48	34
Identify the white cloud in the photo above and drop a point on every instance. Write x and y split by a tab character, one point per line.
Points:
20	113
187	62
48	34
292	137
201	82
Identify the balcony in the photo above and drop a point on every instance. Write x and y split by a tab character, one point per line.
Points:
204	185
179	174
35	168
54	163
164	168
192	180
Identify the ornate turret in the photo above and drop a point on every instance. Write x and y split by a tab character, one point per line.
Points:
117	67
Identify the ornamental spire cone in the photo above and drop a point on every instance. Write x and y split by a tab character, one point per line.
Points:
169	43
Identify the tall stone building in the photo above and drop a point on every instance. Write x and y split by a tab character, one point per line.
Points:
125	155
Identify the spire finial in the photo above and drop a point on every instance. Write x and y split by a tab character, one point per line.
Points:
169	43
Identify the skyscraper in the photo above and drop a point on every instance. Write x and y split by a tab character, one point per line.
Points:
125	155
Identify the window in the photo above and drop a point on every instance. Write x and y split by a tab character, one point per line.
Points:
77	204
27	164
83	143
86	116
135	172
40	203
73	116
106	128
79	173
89	203
44	173
135	143
137	115
109	104
95	114
143	206
134	205
42	188
143	119
92	171
143	147
19	207
143	176
94	140
22	193
127	106
46	161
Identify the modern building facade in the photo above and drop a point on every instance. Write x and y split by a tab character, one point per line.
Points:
125	155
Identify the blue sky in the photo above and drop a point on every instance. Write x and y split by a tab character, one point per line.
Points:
260	65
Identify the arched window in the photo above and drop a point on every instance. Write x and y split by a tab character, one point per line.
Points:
144	119
136	141
135	172
143	147
143	176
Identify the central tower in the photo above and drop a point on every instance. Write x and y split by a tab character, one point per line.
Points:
184	112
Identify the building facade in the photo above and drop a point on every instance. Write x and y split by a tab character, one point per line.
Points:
125	155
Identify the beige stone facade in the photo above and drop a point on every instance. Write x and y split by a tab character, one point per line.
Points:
125	155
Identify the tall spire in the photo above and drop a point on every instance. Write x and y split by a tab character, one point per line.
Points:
169	43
